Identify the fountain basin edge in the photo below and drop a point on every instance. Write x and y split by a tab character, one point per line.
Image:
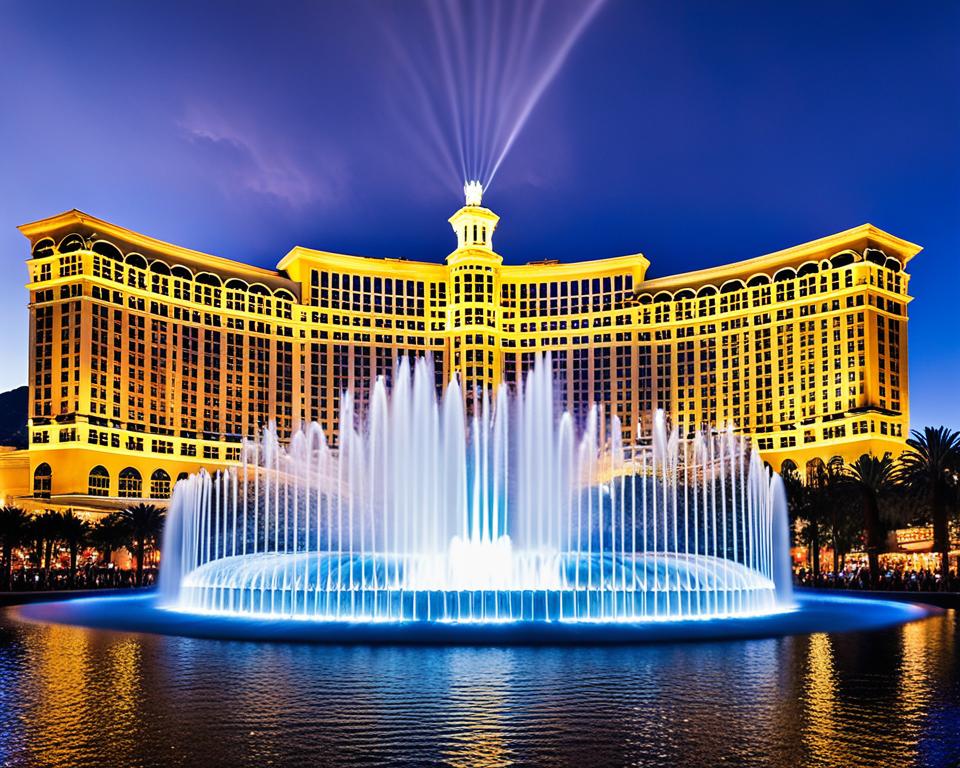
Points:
142	613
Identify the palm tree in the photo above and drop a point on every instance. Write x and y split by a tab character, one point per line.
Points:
34	538
814	505
929	470
14	529
846	527
143	524
872	478
108	535
805	510
45	530
74	532
838	505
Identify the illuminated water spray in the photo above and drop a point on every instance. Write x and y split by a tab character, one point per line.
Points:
473	72
425	513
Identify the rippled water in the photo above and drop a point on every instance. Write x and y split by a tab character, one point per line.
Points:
77	697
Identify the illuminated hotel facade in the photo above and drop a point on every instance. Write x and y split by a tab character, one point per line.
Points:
149	360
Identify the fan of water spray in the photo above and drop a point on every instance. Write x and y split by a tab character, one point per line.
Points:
426	512
474	70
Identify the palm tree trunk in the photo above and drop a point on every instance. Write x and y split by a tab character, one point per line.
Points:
815	543
833	540
73	565
141	546
7	564
871	532
47	557
941	536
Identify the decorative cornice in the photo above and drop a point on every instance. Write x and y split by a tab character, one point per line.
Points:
857	238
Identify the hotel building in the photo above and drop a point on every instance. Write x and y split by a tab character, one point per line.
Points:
149	360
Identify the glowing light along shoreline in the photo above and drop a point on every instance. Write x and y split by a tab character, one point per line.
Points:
428	514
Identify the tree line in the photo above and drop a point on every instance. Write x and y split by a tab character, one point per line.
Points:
853	506
42	535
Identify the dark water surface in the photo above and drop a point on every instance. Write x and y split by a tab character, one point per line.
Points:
77	697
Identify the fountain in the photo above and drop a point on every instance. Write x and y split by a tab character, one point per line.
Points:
479	518
426	514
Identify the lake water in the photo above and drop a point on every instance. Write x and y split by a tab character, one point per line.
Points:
77	697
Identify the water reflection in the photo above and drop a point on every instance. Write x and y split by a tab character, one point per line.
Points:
820	726
480	702
77	697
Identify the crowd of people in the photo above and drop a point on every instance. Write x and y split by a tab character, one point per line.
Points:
894	578
89	577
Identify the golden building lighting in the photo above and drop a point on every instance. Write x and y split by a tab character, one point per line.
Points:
149	360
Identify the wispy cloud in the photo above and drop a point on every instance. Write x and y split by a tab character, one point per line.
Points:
249	160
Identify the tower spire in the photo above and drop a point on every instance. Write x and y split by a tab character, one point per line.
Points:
473	224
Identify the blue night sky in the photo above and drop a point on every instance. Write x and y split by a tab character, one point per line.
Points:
696	133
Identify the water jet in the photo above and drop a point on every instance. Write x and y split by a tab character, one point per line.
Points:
479	517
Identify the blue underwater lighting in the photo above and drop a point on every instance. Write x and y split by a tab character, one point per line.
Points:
426	524
426	514
143	613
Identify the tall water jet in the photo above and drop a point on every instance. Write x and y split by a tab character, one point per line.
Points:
426	514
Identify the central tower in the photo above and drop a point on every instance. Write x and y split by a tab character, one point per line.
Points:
473	224
474	287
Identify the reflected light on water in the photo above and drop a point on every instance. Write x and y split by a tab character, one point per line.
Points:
89	697
820	730
481	704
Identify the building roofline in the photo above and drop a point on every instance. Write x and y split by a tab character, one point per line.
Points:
861	236
856	237
571	268
154	245
383	265
474	210
373	264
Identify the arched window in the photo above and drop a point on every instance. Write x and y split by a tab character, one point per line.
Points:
843	258
107	249
182	476
44	247
98	483
732	285
42	479
784	274
72	242
131	484
816	472
136	260
159	485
